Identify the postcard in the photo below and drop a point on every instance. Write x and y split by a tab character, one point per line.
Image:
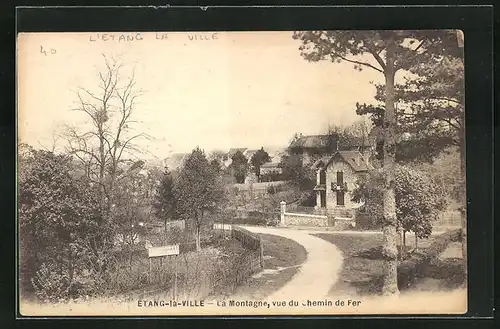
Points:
241	173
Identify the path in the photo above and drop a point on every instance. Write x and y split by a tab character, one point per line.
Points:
316	275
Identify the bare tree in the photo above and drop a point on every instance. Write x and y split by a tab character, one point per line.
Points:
56	137
108	141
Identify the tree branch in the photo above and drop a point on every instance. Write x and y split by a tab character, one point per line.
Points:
357	62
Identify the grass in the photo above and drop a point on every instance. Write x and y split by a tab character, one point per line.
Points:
282	258
361	276
356	272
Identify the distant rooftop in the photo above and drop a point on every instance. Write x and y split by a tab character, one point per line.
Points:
233	151
353	158
321	141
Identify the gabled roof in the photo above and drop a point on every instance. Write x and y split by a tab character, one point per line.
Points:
175	160
352	158
321	141
233	151
312	141
249	153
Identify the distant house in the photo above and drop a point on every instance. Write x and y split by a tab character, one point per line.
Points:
176	160
314	146
229	157
249	154
270	168
233	151
336	177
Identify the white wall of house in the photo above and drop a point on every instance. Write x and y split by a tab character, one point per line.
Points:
350	177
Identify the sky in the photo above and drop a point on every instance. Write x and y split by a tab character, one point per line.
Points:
213	90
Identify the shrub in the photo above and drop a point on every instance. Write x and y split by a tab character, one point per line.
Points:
418	201
271	177
50	286
418	262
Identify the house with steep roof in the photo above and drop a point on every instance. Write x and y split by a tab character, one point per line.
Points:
249	154
336	177
228	159
175	160
312	147
233	151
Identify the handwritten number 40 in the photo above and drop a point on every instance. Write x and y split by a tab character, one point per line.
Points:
50	51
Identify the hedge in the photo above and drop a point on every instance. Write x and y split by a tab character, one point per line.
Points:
409	269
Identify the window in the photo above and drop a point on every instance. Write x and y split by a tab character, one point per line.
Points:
340	193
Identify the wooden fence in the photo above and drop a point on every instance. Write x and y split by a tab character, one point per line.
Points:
252	242
448	218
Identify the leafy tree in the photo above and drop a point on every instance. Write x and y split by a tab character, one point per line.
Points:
418	200
239	166
300	176
258	159
165	206
431	109
216	165
445	171
390	52
58	215
198	191
218	155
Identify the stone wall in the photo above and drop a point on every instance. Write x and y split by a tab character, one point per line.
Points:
293	219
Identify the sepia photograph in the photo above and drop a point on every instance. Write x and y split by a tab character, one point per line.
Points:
241	173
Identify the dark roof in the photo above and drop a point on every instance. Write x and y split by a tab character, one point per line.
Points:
233	151
175	160
352	158
312	141
321	141
249	153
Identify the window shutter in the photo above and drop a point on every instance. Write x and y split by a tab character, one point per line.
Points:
340	178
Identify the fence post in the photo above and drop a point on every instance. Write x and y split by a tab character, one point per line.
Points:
282	210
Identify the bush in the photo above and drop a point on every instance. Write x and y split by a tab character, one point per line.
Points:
418	201
271	177
364	221
273	189
49	285
418	262
256	218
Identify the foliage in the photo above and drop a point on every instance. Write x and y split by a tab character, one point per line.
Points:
430	105
239	167
418	199
50	285
349	137
415	265
294	170
391	51
445	172
165	205
258	159
58	214
271	176
198	190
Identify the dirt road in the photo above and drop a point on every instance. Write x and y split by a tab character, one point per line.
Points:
316	275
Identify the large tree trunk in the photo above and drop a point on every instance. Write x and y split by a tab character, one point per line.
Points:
198	243
390	285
